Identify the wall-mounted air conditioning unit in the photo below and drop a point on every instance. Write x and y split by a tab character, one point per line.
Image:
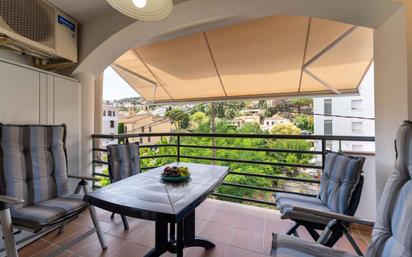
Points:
37	28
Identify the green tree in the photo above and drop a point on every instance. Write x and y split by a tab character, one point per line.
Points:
285	129
301	104
179	118
262	104
225	110
198	118
304	122
120	128
271	111
290	144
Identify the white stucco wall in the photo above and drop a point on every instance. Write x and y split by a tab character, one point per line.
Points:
391	91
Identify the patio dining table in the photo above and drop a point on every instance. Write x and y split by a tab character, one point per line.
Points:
170	205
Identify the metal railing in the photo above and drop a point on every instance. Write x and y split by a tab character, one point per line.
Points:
178	141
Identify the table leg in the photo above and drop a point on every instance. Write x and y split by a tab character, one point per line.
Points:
171	244
172	232
185	237
161	239
179	241
189	234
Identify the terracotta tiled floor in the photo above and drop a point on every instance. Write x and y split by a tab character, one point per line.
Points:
237	230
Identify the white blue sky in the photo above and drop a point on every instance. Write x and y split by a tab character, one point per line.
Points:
114	87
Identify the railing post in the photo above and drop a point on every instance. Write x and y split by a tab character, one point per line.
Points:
178	148
93	163
323	153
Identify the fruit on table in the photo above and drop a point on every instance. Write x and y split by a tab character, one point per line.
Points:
175	171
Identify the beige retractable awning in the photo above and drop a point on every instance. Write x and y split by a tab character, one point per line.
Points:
269	57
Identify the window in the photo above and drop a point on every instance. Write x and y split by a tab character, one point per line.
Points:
141	140
142	129
148	140
327	127
328	131
357	126
125	129
104	113
150	129
327	105
329	145
109	113
112	124
267	123
357	148
114	113
356	105
273	123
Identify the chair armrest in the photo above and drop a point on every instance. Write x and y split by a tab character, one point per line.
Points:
336	216
10	200
83	177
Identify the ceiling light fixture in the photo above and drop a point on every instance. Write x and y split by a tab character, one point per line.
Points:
144	10
140	3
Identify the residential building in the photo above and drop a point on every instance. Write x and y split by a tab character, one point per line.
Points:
347	116
146	121
110	122
160	111
242	120
269	123
110	119
251	111
272	102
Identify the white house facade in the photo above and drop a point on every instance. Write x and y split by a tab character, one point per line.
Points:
347	116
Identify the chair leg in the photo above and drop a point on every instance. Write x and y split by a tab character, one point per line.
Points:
125	223
78	188
7	228
312	232
61	229
94	218
97	226
334	237
293	230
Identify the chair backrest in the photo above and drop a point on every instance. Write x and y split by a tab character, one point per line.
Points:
33	162
392	233
340	180
124	161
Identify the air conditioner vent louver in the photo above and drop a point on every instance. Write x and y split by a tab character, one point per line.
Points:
31	19
37	28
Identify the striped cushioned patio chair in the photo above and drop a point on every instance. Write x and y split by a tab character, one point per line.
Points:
124	161
34	193
392	232
340	192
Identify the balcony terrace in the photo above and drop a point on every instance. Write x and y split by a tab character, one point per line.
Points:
52	58
238	231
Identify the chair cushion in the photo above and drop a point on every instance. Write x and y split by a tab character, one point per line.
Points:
287	246
124	161
392	233
43	213
33	163
286	201
340	177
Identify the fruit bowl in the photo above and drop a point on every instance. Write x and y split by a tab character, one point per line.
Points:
175	174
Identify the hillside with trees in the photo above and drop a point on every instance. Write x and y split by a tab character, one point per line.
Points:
216	118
